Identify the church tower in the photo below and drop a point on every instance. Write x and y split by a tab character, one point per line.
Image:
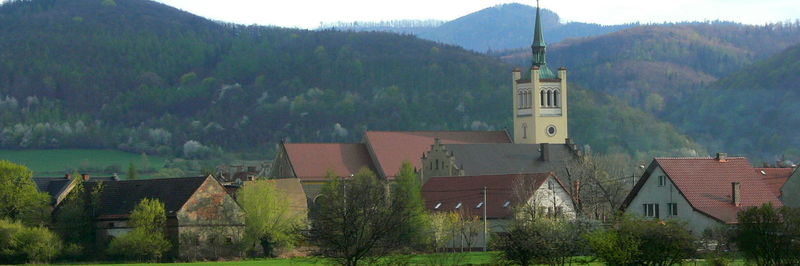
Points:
540	102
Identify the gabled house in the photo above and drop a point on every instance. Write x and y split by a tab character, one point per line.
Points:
542	193
704	192
383	152
203	220
790	190
59	187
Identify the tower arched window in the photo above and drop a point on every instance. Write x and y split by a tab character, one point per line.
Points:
521	99
529	98
524	131
549	99
541	99
524	97
555	98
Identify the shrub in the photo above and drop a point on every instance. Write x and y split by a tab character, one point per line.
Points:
139	245
643	242
19	243
543	240
37	244
769	236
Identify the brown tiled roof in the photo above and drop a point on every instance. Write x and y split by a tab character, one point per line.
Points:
391	148
706	184
468	190
774	178
312	161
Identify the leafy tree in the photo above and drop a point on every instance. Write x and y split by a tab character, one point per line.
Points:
407	194
74	219
19	197
769	236
133	174
355	219
147	241
270	220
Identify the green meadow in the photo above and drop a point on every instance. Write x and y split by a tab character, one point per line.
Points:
96	162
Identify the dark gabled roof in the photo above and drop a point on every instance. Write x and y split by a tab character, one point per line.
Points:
312	161
468	190
55	186
706	185
390	148
52	185
508	158
119	198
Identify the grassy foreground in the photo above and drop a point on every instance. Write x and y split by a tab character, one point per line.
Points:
467	258
56	162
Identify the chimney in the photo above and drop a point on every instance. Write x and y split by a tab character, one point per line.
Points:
545	152
736	194
722	157
85	177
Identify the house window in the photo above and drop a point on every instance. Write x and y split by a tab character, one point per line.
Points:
672	209
506	204
437	206
662	180
458	205
480	204
651	210
550	185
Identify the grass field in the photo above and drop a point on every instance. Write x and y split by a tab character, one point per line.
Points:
470	258
57	162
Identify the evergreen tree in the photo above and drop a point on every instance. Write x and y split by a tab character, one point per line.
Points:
407	194
133	174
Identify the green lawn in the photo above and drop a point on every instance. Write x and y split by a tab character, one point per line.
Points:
470	258
56	162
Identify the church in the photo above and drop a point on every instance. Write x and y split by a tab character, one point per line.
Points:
540	141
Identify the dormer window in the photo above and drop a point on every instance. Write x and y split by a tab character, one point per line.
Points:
479	205
458	205
437	206
506	204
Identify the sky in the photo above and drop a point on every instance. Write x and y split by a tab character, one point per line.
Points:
310	13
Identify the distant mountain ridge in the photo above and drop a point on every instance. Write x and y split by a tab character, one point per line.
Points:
501	27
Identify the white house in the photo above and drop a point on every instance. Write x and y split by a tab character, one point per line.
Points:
704	192
544	192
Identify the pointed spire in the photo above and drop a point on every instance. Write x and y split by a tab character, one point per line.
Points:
538	47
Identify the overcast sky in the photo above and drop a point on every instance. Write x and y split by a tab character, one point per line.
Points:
310	13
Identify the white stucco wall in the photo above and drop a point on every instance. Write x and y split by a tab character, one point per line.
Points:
545	197
651	192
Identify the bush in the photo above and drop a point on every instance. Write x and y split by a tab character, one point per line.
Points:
541	241
769	236
139	245
19	244
37	244
643	242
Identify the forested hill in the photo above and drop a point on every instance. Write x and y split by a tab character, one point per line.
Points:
648	66
140	76
752	111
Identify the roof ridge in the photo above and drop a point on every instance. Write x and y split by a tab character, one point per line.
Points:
429	131
337	143
155	179
697	158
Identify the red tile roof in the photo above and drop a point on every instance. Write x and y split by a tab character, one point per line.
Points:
774	178
391	148
706	185
468	190
312	161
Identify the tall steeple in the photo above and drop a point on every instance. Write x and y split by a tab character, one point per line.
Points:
538	47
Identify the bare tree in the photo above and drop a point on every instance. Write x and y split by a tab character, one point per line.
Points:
357	219
599	183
